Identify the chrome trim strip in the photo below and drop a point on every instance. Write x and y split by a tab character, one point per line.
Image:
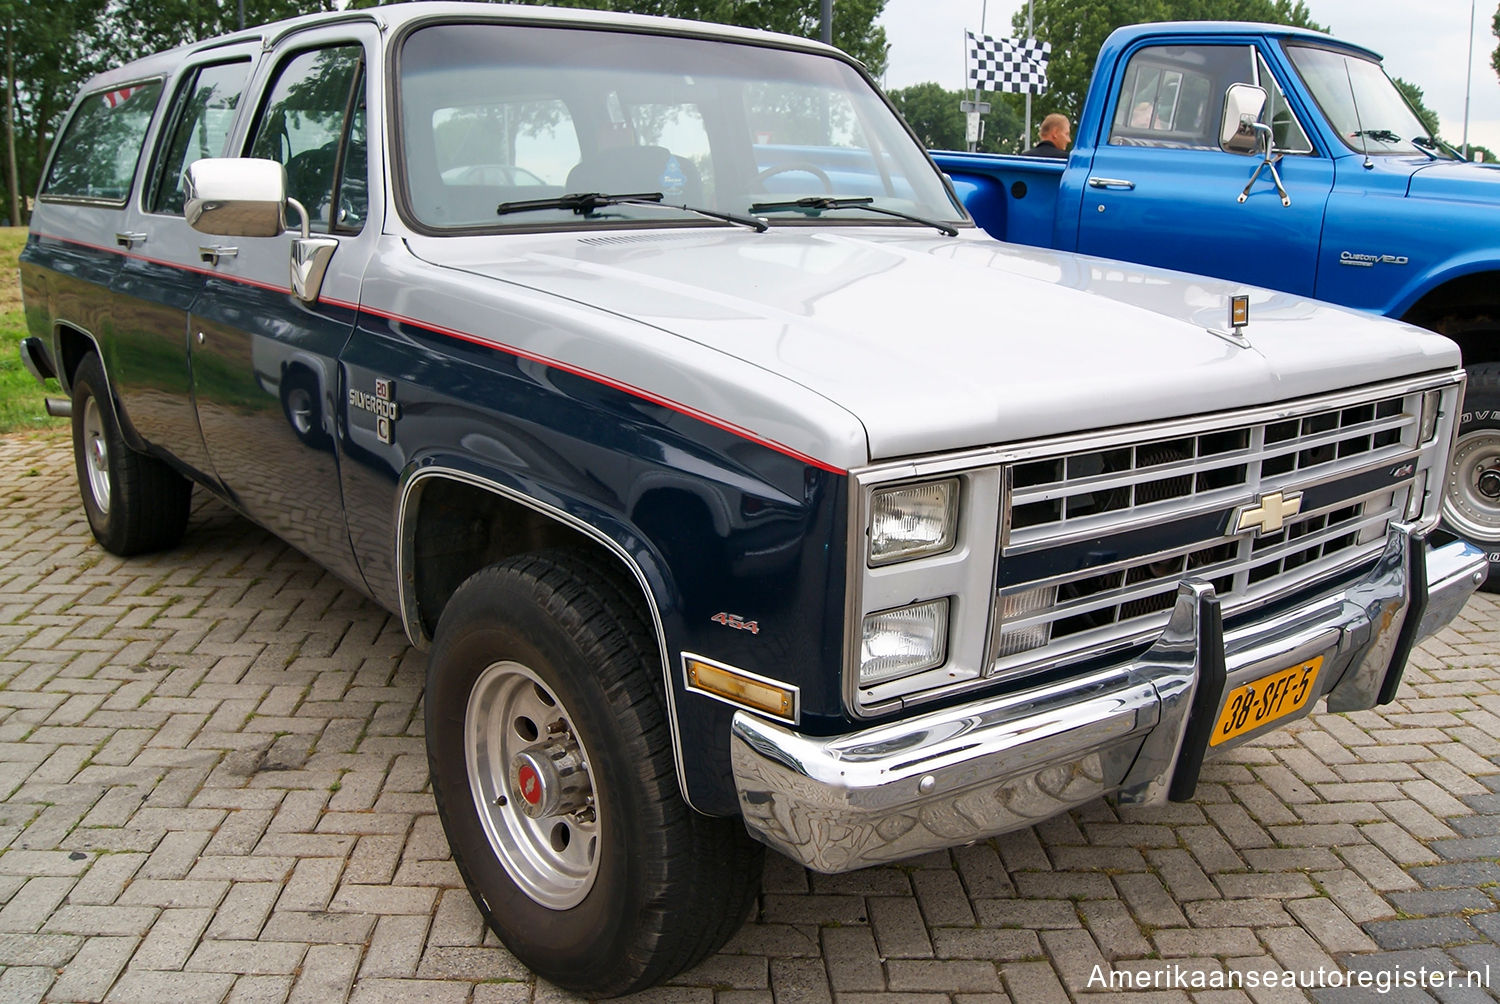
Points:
796	715
411	623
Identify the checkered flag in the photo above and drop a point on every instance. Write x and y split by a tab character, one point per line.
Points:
1008	64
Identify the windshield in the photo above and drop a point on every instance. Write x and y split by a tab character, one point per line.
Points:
499	114
1361	103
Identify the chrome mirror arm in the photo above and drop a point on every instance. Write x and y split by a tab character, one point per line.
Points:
1264	132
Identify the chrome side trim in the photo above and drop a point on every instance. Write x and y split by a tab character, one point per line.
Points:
412	624
1454	571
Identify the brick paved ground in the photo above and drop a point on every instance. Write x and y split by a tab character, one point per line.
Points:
213	787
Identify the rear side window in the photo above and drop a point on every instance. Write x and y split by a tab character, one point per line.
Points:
201	119
99	150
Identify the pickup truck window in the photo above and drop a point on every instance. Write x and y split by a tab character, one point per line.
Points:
710	124
98	153
312	112
1361	103
1173	94
1288	134
199	127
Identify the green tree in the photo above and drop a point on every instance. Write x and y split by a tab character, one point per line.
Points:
1413	95
854	27
1495	57
1077	28
934	115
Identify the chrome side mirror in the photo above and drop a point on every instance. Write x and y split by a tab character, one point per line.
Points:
236	197
1243	104
246	197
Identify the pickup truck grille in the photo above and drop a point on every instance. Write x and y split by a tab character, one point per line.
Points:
1098	540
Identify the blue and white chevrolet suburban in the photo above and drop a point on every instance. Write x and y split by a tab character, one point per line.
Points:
738	486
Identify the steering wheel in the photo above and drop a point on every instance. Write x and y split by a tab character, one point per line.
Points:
797	167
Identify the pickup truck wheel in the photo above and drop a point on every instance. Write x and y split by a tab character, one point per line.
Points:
134	503
553	771
1471	499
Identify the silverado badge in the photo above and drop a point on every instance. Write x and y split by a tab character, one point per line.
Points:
382	404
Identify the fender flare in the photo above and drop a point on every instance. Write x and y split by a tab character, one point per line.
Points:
602	529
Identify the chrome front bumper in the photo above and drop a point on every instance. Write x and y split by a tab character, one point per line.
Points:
1139	730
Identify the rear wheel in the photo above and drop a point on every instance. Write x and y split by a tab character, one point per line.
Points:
134	502
553	770
1471	496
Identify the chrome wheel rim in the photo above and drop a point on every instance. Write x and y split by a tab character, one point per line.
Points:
1471	503
96	455
514	726
299	409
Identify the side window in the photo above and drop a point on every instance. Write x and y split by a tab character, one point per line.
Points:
1172	95
98	153
306	122
1288	132
201	119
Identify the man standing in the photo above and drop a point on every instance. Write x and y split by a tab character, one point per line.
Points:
1055	133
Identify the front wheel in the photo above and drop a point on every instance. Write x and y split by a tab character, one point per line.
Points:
1471	496
553	771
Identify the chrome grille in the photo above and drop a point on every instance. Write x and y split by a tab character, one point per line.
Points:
1099	540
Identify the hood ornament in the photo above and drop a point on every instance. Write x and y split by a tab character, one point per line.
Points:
1239	320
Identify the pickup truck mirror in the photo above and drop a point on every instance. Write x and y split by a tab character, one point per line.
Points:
1243	104
236	197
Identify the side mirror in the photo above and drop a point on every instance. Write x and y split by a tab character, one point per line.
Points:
236	197
1243	104
245	197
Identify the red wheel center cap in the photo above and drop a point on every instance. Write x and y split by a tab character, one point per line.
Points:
529	782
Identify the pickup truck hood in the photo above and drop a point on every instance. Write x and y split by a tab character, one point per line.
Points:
936	344
1456	181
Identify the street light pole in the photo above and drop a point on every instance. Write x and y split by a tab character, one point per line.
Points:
827	33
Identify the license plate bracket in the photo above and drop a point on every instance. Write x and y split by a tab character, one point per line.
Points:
1266	699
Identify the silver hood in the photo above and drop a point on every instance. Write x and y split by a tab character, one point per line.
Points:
936	344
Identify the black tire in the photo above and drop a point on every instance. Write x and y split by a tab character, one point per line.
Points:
1471	497
549	634
134	503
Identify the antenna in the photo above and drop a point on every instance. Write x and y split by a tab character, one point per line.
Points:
1364	141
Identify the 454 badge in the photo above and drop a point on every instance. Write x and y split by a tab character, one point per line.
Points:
382	404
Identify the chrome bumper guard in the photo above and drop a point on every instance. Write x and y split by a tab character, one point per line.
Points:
1139	730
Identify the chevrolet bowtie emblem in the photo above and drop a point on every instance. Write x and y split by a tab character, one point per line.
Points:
1266	514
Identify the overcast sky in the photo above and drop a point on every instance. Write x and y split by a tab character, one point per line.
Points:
1425	43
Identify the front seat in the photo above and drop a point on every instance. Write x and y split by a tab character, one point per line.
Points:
629	169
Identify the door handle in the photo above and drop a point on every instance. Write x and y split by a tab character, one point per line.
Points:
129	239
1111	183
215	253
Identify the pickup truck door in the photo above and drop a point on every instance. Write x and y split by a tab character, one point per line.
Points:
162	272
265	362
1161	191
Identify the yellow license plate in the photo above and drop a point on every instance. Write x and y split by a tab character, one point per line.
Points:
1265	700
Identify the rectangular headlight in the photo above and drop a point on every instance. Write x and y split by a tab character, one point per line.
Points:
913	521
904	641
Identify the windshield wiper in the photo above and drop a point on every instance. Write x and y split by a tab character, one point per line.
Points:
815	204
587	203
1378	135
1432	147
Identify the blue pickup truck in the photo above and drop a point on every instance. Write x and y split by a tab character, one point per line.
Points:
1285	158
